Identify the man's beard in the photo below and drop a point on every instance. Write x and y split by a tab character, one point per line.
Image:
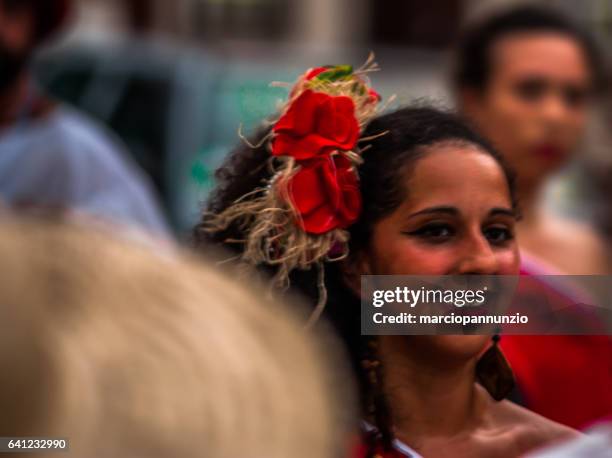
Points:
12	64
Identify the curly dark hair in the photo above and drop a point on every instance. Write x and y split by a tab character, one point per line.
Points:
410	134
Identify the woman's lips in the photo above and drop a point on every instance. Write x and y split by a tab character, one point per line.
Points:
549	152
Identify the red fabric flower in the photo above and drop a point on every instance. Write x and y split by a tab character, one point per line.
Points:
325	192
315	72
314	125
374	96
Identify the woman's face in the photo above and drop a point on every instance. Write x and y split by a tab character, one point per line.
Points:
535	104
457	219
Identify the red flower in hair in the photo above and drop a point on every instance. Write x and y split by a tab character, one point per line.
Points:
325	193
314	125
374	96
315	72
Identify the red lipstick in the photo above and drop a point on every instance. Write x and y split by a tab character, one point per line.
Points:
549	152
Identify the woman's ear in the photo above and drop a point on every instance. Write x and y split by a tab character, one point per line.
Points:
353	267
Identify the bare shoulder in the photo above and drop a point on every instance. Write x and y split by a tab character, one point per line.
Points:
532	429
584	251
569	230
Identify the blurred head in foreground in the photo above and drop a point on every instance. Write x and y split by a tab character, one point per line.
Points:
525	77
129	354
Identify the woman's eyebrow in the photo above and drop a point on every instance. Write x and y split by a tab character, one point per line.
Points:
440	209
502	211
455	211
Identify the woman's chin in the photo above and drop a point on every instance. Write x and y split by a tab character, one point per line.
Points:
453	347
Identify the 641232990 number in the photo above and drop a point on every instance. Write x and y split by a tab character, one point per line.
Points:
17	444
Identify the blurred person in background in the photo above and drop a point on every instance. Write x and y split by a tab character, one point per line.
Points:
526	78
128	354
51	156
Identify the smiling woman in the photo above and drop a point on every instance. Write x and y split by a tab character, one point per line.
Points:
435	199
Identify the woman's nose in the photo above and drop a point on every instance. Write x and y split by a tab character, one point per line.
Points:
554	111
477	257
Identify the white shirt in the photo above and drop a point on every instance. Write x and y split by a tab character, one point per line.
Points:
397	444
65	160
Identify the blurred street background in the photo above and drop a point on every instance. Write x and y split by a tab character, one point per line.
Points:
175	80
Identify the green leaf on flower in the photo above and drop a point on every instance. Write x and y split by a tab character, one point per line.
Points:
336	73
358	88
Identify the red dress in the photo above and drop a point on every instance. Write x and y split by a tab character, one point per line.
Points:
361	451
567	378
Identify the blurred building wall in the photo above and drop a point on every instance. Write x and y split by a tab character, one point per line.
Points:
99	16
307	22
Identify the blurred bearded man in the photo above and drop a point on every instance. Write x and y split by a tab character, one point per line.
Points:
51	156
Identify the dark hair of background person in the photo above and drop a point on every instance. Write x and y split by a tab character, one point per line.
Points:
47	14
410	135
473	52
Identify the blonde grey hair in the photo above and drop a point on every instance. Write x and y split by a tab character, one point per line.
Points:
130	354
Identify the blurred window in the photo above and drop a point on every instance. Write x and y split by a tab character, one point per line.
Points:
431	24
67	82
140	118
241	19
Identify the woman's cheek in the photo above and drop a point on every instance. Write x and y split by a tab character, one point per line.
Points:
574	132
509	261
414	258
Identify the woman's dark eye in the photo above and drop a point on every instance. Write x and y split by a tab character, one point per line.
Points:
531	89
434	232
574	96
498	235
